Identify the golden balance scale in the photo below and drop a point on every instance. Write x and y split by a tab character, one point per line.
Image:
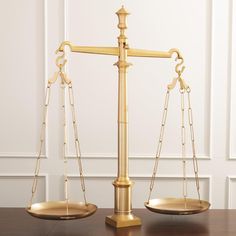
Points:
122	217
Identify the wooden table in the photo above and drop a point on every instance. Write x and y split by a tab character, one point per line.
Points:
16	222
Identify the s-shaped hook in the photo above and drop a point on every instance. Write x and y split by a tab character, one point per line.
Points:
179	71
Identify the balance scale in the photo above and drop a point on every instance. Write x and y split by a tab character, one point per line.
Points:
123	216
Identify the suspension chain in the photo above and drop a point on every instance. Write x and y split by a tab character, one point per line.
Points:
42	140
64	82
183	88
160	142
183	142
195	163
76	137
64	143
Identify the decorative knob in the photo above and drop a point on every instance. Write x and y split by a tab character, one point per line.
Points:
122	13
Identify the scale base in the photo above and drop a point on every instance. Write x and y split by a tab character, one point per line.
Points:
123	220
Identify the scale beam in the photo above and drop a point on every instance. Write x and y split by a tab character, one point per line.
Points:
114	51
147	53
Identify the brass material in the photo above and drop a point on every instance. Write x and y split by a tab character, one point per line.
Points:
42	140
183	85
147	53
160	142
177	206
76	138
64	143
62	74
89	49
61	210
195	163
61	57
123	216
183	144
123	220
114	51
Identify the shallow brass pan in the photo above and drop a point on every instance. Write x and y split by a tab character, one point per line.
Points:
61	210
177	206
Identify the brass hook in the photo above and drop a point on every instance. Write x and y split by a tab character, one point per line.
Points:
59	58
60	64
178	57
62	46
179	71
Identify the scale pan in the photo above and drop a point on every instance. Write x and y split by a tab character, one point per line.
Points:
177	206
61	210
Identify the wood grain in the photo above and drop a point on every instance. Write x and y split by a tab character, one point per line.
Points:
16	222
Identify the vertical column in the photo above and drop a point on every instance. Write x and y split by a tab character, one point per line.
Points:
122	65
123	216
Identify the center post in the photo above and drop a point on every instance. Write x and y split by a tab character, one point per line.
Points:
122	216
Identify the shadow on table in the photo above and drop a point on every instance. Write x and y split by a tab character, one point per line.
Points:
176	228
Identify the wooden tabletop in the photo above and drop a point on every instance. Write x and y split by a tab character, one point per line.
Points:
16	222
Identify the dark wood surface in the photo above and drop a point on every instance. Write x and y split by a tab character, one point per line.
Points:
16	222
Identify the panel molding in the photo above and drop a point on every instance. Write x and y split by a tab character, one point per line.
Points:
148	177
210	51
45	59
229	180
96	158
232	71
209	72
25	175
138	157
22	155
45	4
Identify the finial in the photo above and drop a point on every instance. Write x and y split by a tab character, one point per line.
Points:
122	13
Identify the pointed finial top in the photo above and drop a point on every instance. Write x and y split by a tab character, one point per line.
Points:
122	11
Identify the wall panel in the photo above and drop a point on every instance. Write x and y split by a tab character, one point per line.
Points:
231	192
31	31
95	79
16	190
22	76
165	186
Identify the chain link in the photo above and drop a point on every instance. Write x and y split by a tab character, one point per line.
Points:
183	143
195	163
160	142
42	140
64	143
76	137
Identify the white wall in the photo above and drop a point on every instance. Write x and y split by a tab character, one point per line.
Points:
204	31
